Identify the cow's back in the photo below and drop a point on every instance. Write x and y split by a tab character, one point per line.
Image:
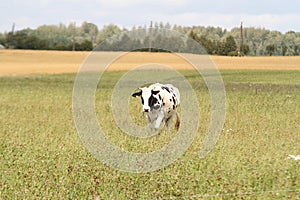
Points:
175	91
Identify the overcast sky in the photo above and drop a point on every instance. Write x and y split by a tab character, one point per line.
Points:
281	15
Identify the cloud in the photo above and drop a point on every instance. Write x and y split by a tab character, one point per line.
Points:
43	3
275	14
24	22
142	5
269	14
282	22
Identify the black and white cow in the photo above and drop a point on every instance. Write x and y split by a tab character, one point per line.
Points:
160	103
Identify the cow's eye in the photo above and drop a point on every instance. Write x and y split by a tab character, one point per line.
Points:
142	100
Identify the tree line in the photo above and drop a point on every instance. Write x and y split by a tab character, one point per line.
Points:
160	37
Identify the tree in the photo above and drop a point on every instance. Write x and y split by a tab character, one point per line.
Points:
284	49
207	44
271	49
108	31
289	40
192	44
245	49
228	47
2	39
55	34
296	50
86	45
62	47
274	38
89	31
214	40
25	40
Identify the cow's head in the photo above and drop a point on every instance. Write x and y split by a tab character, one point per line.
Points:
151	98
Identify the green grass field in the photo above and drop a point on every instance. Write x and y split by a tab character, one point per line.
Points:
42	156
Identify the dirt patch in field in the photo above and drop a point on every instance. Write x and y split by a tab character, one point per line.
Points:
25	62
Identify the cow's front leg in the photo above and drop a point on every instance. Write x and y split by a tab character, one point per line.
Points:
151	122
151	126
158	121
169	122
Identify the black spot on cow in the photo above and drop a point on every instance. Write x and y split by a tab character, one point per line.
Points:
165	88
152	101
154	92
139	93
173	100
164	103
159	97
173	106
167	119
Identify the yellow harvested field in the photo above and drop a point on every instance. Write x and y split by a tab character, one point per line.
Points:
266	62
23	62
26	62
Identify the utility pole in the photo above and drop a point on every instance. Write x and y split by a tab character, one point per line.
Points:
242	40
10	38
150	37
73	37
13	28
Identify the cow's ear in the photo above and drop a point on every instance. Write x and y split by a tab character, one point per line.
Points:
136	94
154	92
